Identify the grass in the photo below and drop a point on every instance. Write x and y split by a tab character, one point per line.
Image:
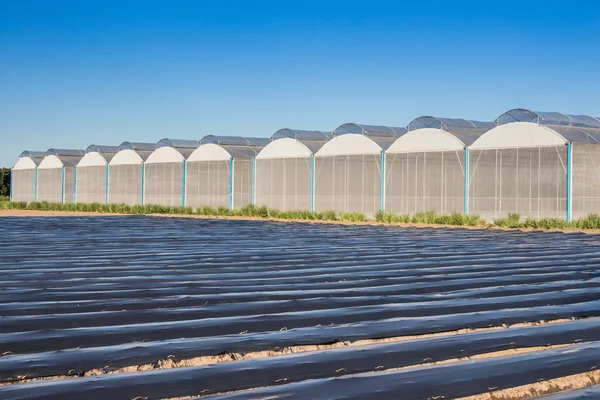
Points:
513	220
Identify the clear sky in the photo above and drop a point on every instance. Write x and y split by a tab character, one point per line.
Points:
73	73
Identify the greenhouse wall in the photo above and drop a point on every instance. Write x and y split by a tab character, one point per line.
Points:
125	184
530	181
91	184
50	185
207	183
163	184
23	185
348	183
424	181
242	183
585	181
283	183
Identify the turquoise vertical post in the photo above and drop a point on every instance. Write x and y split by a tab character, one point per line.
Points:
231	183
253	194
106	177
466	188
11	184
312	183
74	184
142	183
382	183
35	182
569	180
62	185
183	164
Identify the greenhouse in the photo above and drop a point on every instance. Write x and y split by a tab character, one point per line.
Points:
348	169
126	172
24	176
219	173
164	172
56	175
92	175
537	164
425	168
285	169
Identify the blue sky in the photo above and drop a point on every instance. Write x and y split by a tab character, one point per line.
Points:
73	73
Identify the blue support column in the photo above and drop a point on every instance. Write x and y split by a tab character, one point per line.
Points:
183	165
62	185
569	180
253	193
382	183
106	177
142	184
74	183
466	188
312	183
35	183
231	183
11	184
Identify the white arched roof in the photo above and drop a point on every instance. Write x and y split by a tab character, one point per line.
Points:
92	159
25	163
166	155
530	134
129	157
210	152
426	139
51	162
284	148
349	144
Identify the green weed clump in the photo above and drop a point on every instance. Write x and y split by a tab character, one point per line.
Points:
592	221
513	220
353	216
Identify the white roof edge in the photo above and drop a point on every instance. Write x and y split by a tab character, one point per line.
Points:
92	159
165	155
209	152
24	163
424	140
350	144
51	162
518	134
284	148
126	157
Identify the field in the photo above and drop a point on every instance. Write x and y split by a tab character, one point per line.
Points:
137	307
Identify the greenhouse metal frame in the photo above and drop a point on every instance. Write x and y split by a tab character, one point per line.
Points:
536	164
56	175
23	176
285	169
126	172
425	169
349	169
221	172
92	174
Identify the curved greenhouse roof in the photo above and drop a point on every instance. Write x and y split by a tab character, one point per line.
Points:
137	146
548	118
219	148
292	143
235	141
172	150
302	135
429	133
98	155
532	134
369	130
58	158
29	159
131	153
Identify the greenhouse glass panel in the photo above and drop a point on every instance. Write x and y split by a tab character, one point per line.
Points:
242	183
424	181
49	185
585	180
283	183
125	184
163	184
91	184
528	181
348	183
23	181
207	183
